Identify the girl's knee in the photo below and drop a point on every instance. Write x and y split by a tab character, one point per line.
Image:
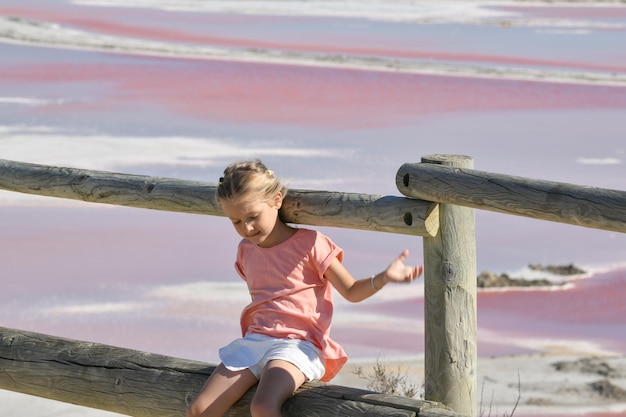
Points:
198	410
264	407
193	411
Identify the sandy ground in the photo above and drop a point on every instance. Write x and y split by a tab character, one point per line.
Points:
546	384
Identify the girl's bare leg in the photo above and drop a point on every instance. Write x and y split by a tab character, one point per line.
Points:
220	392
279	380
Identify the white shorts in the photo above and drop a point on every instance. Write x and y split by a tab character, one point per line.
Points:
254	351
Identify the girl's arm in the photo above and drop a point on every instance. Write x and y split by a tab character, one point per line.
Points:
357	290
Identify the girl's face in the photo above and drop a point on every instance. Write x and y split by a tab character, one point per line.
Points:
254	218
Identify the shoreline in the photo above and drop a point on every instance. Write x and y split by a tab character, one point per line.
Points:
33	30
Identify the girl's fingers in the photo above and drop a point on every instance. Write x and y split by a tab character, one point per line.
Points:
404	272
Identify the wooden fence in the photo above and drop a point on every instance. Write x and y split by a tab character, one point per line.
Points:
442	192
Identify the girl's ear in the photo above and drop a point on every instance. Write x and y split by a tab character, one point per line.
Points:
278	200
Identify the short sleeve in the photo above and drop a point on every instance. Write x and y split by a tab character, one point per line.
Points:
325	251
239	262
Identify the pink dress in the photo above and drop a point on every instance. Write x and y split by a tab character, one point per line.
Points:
291	298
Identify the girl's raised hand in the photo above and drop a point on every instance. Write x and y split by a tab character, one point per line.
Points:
397	271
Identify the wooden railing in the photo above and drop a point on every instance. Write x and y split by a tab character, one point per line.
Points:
442	192
318	208
144	384
579	205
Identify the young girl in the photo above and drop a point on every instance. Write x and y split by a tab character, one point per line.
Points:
289	273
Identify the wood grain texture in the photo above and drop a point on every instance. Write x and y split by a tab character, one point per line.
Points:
362	211
143	384
318	208
450	304
579	205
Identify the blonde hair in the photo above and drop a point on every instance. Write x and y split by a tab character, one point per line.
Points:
246	177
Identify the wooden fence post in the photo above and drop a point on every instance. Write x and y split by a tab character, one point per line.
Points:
450	300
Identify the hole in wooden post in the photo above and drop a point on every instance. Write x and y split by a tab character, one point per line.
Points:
408	219
405	180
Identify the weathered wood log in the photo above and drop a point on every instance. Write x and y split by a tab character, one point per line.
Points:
143	384
362	211
546	200
318	208
450	355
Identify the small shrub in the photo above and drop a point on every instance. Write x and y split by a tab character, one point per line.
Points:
383	380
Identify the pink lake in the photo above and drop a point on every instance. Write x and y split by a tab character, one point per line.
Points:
165	283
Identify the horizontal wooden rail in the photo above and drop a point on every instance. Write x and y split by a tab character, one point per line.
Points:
319	208
142	384
546	200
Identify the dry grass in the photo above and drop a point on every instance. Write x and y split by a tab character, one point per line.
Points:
519	395
382	379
